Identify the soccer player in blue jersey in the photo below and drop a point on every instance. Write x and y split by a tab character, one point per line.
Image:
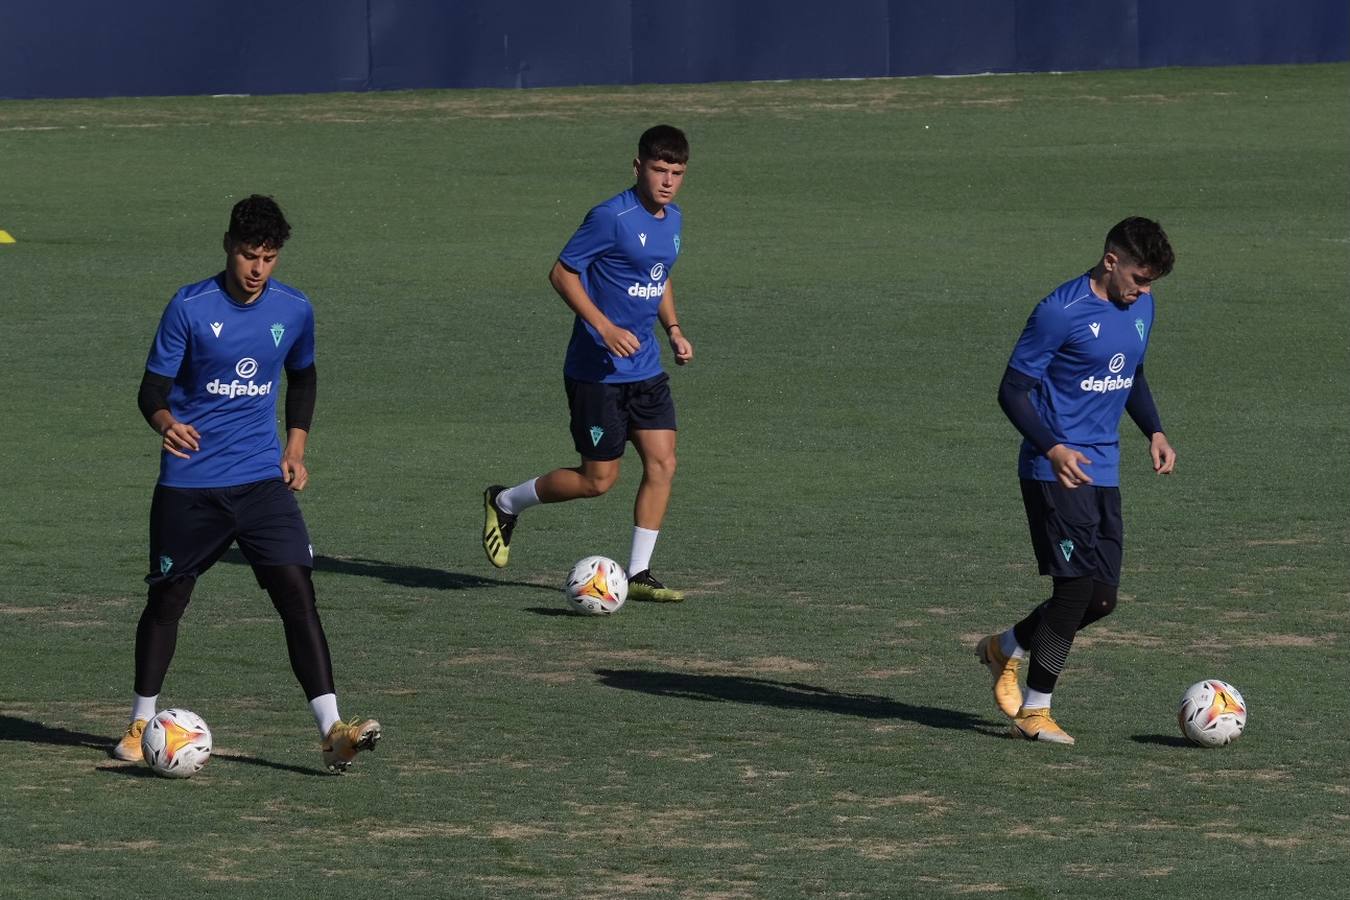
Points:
208	391
1078	365
614	274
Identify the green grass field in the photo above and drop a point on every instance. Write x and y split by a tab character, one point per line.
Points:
858	259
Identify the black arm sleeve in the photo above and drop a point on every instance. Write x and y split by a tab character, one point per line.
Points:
1014	396
154	394
301	389
1140	405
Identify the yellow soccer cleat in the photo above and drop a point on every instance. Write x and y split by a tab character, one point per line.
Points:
1007	693
1035	724
346	739
128	749
644	587
497	528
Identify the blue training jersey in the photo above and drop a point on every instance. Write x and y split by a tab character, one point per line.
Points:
225	360
624	255
1084	351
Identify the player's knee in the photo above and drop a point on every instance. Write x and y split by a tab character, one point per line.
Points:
1103	600
598	483
168	600
660	468
291	589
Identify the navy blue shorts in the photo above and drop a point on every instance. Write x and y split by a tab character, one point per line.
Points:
191	528
603	414
1075	532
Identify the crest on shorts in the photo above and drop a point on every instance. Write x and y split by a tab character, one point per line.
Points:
596	434
165	564
1066	548
277	331
1139	327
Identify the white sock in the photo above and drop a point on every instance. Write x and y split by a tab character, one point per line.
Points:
644	542
514	501
325	712
143	707
1008	644
1035	700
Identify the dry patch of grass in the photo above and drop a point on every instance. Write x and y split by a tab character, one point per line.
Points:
118	846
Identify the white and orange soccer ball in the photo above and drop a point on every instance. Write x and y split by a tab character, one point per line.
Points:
176	743
1212	713
596	586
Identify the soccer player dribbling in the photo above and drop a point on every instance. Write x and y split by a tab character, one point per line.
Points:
224	478
1077	367
614	274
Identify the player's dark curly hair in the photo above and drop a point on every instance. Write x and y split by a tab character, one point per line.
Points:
256	221
664	142
1143	241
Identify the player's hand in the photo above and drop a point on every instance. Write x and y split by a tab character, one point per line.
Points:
295	473
680	346
179	438
1068	466
620	341
1164	457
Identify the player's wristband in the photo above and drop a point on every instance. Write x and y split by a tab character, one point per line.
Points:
672	326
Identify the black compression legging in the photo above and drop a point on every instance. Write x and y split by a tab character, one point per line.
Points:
1049	630
292	591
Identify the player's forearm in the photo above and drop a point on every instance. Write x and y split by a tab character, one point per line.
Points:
161	421
296	438
1014	397
568	285
1140	406
301	390
665	313
153	400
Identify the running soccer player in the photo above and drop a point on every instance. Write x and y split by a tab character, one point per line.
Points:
1077	366
614	274
223	476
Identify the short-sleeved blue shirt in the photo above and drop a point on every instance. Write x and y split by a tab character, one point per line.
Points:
226	360
1084	351
623	255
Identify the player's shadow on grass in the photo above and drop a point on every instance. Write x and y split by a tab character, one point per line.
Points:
268	764
30	732
140	770
1164	740
787	695
403	576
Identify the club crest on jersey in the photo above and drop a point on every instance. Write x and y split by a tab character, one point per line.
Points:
1139	327
277	331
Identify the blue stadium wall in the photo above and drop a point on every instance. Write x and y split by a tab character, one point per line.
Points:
92	48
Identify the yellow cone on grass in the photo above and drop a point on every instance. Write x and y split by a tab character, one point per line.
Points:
6	237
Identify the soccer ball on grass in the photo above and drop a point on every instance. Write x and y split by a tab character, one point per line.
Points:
176	743
1212	713
596	586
